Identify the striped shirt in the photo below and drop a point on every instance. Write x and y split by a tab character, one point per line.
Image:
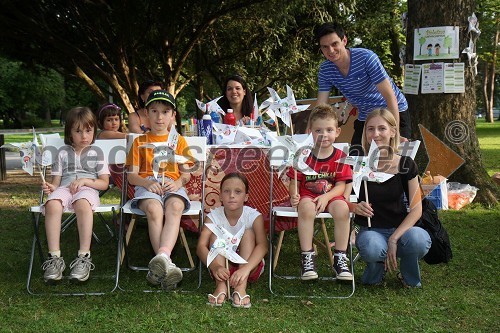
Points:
359	86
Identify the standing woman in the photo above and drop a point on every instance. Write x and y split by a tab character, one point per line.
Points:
238	97
393	233
138	122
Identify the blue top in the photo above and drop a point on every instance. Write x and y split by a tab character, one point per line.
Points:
359	86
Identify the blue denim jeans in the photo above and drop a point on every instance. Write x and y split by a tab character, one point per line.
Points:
412	246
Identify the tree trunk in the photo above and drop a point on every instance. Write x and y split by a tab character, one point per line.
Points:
486	100
438	112
491	87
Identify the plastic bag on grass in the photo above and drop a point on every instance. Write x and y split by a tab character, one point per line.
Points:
460	195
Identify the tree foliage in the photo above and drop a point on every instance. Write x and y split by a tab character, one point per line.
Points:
28	95
186	43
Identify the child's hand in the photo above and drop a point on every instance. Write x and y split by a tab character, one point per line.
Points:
321	202
76	184
48	188
220	273
155	187
238	277
172	186
294	199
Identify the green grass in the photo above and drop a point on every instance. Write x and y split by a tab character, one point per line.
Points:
461	296
489	141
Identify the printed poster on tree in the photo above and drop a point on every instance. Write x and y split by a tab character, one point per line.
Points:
436	43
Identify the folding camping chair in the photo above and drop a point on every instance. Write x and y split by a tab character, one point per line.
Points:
114	152
276	157
198	148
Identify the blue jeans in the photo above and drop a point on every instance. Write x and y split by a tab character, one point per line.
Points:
412	246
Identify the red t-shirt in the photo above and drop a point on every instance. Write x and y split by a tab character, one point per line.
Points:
329	172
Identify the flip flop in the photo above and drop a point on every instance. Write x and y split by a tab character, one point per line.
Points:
216	298
239	305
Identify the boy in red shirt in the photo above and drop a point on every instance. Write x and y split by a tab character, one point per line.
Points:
322	192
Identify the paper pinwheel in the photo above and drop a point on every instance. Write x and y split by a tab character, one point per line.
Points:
283	107
28	152
364	168
225	244
164	152
296	153
211	106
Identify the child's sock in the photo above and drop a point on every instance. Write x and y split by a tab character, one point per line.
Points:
164	251
339	252
55	253
83	253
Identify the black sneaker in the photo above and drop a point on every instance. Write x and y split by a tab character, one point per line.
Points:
340	267
309	266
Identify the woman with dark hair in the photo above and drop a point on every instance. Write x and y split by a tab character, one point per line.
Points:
138	122
238	97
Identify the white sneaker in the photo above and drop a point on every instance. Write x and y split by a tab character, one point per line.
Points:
53	269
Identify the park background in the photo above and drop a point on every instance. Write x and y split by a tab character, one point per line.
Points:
56	54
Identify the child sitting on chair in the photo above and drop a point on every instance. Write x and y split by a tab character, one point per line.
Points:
76	179
109	119
322	192
162	199
232	216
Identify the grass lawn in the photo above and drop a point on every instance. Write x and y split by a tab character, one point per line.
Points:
461	296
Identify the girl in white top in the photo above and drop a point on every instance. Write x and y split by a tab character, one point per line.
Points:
232	215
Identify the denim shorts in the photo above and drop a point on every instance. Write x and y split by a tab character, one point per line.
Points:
142	193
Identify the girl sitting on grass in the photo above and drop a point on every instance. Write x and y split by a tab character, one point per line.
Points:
233	215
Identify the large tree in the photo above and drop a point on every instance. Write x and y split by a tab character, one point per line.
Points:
437	111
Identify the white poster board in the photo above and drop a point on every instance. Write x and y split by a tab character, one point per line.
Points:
433	78
454	81
412	79
436	43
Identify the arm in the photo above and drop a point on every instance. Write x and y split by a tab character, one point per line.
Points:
50	187
323	97
322	200
386	91
294	195
112	135
409	221
255	258
220	273
133	123
150	185
100	183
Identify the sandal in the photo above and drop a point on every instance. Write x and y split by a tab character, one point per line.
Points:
240	305
216	298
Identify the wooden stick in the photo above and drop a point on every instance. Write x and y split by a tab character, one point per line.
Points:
227	281
294	170
41	174
367	200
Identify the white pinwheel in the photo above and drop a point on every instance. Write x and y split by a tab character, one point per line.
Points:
210	106
225	244
296	153
365	168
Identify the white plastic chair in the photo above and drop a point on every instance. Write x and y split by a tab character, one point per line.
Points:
275	158
198	148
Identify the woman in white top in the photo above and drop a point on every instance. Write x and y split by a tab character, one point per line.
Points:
232	216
